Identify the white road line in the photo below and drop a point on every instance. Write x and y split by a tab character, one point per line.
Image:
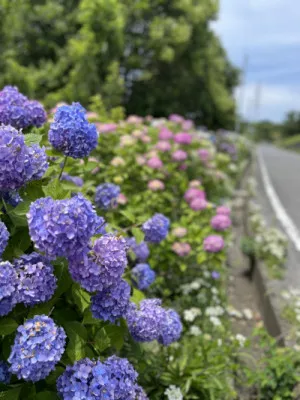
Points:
280	212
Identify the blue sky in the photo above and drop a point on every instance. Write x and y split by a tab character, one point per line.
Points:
268	32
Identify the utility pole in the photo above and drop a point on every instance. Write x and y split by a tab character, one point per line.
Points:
241	97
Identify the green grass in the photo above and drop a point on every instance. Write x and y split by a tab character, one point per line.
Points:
290	142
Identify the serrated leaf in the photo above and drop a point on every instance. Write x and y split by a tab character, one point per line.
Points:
32	138
128	215
81	298
88	318
138	234
75	327
7	326
18	214
137	296
116	335
47	396
76	348
102	340
55	190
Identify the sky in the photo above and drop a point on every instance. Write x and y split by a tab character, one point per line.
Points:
266	33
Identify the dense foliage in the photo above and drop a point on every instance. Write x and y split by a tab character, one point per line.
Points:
153	57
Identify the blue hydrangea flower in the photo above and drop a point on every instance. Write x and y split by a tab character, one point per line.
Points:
170	328
106	195
141	250
140	393
112	303
144	322
36	279
4	373
63	227
38	346
102	267
16	110
85	379
74	179
4	235
71	133
123	376
12	197
143	276
8	284
156	228
36	162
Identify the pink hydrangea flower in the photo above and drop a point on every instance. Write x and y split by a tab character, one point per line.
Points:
165	134
91	115
179	155
179	232
155	163
163	145
181	249
198	204
134	119
140	160
224	210
195	183
183	167
106	128
183	138
122	199
178	119
137	133
204	155
117	162
187	125
146	139
156	185
220	222
193	193
213	243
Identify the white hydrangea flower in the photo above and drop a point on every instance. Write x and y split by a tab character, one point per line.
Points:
191	314
195	330
215	321
214	311
248	313
241	339
173	393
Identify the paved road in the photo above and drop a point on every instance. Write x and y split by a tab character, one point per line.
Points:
283	168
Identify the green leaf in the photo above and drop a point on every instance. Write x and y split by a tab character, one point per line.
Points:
102	341
128	215
47	396
28	391
76	348
41	309
137	296
64	280
12	394
116	335
52	378
75	328
81	298
32	138
18	214
7	326
88	318
55	190
138	234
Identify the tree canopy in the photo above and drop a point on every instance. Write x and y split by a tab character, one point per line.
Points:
153	57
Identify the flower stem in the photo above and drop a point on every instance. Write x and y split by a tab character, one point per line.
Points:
63	167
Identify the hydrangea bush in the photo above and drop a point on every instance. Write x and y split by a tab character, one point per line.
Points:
103	254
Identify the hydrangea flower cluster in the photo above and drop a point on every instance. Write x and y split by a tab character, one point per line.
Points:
106	195
179	155
103	266
36	279
4	372
12	197
63	227
156	228
220	222
71	133
141	250
213	243
4	235
38	346
156	185
111	303
198	204
8	283
224	210
19	163
74	179
155	163
114	379
143	276
150	321
181	249
18	111
194	193
163	145
183	138
165	134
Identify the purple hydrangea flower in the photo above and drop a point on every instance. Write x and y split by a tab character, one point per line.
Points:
12	197
156	228
143	276
4	235
141	250
38	346
213	243
170	328
103	266
215	275
112	303
86	379
183	138
223	210
36	162
71	133
36	279
8	284
36	112
4	372
74	179
106	195
220	222
140	393
123	377
63	227
7	304
179	155
144	322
